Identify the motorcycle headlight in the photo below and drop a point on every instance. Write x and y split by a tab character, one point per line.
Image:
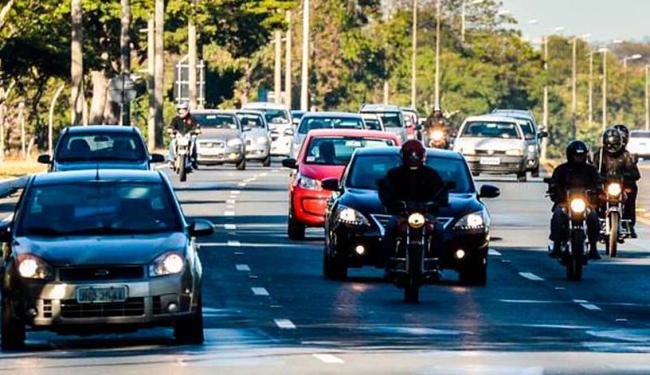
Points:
167	264
234	142
416	220
308	183
578	205
351	216
532	148
614	189
475	221
515	152
33	267
437	135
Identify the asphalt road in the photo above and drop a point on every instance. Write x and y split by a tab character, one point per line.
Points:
269	309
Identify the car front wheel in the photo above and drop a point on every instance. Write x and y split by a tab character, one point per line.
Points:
190	331
13	330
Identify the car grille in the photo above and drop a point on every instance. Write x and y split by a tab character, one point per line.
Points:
130	307
47	308
490	152
212	144
382	221
101	273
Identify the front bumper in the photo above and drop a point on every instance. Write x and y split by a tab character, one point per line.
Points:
54	305
257	151
309	206
220	155
506	164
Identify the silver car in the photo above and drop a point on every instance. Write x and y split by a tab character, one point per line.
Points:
221	140
282	129
533	134
325	120
257	136
493	144
392	118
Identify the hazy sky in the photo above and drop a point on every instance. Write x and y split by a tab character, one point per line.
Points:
605	20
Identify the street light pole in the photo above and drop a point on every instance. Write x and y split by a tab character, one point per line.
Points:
604	52
287	72
437	79
591	88
277	73
304	78
545	117
574	92
414	54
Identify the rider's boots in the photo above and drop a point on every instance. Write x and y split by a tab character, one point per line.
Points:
593	252
556	250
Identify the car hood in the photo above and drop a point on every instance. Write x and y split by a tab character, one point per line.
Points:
100	250
367	202
207	133
75	166
494	144
321	172
255	133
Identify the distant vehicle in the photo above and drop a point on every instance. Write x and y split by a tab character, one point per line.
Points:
392	118
373	122
279	119
532	133
411	118
221	140
100	251
325	120
325	155
639	143
257	135
493	144
356	220
100	146
296	116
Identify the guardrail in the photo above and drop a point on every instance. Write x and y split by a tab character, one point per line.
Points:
9	186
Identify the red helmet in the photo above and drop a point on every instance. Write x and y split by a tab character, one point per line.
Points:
413	154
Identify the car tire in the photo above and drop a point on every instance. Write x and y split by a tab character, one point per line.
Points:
267	161
190	331
295	230
474	273
521	177
13	330
241	165
476	173
535	172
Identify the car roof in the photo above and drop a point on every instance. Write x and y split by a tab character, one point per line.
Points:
101	129
380	108
515	112
215	112
250	111
499	118
351	133
431	152
86	175
332	114
264	105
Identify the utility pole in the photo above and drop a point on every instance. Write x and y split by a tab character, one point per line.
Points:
151	70
304	77
159	69
545	116
125	57
437	86
591	89
76	66
387	9
414	54
574	92
21	121
604	51
277	73
193	59
287	61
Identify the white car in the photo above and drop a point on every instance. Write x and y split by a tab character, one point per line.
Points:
325	120
282	129
639	143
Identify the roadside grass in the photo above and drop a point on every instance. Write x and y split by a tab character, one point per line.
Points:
16	168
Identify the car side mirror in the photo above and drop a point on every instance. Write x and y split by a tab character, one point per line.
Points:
331	184
44	159
489	191
290	163
156	158
543	134
201	228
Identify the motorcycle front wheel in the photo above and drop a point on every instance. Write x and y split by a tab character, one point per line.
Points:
576	256
612	240
182	169
412	287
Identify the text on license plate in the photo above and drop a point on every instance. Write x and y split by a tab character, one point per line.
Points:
101	295
490	161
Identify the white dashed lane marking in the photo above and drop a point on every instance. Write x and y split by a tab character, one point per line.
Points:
243	267
229	213
260	291
230	227
241	184
530	276
284	323
231	201
328	358
590	306
235	192
494	252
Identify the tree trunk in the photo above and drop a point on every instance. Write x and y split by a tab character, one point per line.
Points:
76	66
100	96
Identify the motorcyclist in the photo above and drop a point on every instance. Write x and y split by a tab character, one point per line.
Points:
631	187
184	123
613	159
438	124
576	173
413	181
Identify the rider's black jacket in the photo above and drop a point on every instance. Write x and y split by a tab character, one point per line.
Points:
184	125
569	176
402	184
621	164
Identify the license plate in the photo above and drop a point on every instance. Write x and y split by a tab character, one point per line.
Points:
490	161
101	295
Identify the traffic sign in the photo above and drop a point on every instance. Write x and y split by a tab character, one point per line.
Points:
122	89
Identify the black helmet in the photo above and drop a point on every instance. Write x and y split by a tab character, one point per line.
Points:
575	150
612	141
625	133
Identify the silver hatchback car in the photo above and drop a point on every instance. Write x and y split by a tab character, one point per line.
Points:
221	140
257	136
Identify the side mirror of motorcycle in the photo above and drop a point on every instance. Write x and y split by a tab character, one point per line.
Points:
201	228
489	191
542	134
156	158
331	184
290	163
44	159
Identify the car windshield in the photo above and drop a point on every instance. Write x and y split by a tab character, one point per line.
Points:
216	121
491	129
101	147
338	151
367	169
373	124
639	134
313	123
251	121
276	116
99	208
392	119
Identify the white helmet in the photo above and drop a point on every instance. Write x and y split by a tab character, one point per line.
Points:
183	105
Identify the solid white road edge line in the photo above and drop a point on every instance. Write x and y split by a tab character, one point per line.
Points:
530	276
328	358
284	323
234	243
260	291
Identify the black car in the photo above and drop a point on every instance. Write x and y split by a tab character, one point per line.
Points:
356	220
104	146
98	251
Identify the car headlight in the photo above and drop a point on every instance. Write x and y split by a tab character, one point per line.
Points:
234	142
467	150
578	205
475	221
33	267
262	140
308	183
351	216
614	189
416	220
437	135
515	152
532	148
167	264
288	132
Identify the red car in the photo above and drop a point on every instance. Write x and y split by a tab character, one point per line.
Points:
324	154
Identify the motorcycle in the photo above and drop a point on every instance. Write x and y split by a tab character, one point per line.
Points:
437	138
184	149
574	251
613	229
414	262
